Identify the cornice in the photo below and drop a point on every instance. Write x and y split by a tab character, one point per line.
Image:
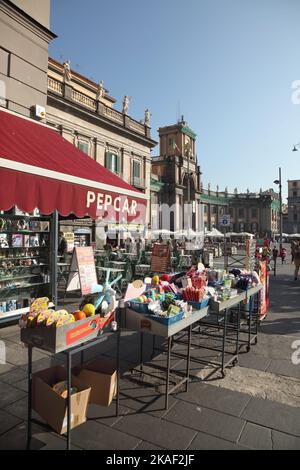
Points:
26	20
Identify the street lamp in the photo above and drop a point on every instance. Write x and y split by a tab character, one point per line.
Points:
280	208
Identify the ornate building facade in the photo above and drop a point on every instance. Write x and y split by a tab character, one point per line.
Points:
84	113
256	213
177	169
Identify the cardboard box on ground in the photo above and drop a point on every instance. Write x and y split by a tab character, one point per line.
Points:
101	376
51	406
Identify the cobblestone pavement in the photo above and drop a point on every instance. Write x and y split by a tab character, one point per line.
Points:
256	406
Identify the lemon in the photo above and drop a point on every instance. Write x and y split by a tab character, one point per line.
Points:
89	310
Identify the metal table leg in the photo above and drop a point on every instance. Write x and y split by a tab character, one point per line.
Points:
153	346
250	323
168	373
69	364
224	341
118	371
188	359
29	411
238	326
141	351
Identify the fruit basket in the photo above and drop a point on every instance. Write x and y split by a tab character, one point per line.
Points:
168	320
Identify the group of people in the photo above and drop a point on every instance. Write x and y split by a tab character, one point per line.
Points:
282	254
295	252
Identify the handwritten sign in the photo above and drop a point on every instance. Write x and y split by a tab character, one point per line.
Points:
160	259
83	271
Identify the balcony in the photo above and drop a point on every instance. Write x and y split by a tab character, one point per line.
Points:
67	92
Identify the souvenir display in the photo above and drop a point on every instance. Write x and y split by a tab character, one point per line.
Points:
24	261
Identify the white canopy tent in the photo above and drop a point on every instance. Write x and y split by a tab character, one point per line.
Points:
214	233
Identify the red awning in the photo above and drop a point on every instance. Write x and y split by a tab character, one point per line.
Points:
40	169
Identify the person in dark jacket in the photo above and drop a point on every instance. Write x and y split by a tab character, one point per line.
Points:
62	244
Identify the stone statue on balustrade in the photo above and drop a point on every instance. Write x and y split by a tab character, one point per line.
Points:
126	101
147	117
67	72
100	91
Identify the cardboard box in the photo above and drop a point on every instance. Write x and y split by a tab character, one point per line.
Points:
51	406
101	375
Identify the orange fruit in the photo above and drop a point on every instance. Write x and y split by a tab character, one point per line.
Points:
79	315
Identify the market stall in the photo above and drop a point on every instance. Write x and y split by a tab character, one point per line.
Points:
42	171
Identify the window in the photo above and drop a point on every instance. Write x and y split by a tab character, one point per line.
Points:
231	212
221	210
295	184
113	162
205	209
254	212
83	146
136	172
295	217
241	213
294	193
214	209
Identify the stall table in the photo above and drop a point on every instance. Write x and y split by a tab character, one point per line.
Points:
218	319
131	320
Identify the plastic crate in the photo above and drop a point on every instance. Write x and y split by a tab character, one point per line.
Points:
198	305
139	307
168	320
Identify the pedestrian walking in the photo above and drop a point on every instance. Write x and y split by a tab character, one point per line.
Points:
293	245
282	255
275	256
296	260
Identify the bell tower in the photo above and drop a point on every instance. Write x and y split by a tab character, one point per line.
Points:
177	167
178	139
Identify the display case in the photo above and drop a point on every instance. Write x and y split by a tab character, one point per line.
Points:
24	261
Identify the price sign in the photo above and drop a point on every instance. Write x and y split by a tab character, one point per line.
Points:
83	271
160	258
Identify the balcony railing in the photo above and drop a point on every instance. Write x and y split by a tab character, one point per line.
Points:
69	93
112	114
83	99
55	85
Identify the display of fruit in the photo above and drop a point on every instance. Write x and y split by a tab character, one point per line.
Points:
89	310
79	315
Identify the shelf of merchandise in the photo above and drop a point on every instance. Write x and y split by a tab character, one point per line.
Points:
12	278
24	231
23	287
22	258
17	313
25	267
20	247
26	286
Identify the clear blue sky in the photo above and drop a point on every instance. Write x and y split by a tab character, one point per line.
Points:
228	64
